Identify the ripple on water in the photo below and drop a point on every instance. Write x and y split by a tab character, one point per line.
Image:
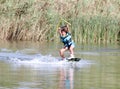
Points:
38	60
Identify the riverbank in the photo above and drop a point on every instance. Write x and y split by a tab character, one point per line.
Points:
33	20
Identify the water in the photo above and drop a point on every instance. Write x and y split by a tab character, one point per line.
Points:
29	65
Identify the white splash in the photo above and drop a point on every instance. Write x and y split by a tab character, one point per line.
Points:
38	60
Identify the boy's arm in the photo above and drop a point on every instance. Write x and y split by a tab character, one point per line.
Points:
59	31
68	28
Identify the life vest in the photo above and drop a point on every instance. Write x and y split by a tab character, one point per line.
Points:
67	40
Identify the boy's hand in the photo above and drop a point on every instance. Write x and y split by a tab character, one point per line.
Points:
59	30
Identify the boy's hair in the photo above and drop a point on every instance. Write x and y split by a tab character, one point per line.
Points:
64	28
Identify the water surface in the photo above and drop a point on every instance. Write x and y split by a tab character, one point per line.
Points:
34	65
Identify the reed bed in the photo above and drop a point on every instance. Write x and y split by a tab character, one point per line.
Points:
96	21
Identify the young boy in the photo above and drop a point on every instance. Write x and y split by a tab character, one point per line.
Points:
65	37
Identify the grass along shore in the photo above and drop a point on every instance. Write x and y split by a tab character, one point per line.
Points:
93	21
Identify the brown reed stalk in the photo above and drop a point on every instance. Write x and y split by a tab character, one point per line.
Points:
92	20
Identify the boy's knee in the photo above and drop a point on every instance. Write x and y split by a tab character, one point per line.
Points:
71	48
62	50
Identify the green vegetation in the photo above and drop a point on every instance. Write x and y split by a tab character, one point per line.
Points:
91	20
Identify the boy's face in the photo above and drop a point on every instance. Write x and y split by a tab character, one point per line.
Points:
63	33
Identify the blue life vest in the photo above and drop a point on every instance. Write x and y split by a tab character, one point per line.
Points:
67	40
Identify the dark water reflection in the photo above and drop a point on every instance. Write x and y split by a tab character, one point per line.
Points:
98	69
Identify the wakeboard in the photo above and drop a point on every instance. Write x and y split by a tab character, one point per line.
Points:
74	59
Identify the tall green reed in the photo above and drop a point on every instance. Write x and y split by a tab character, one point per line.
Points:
95	21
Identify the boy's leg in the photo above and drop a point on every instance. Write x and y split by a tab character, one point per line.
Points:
71	49
62	52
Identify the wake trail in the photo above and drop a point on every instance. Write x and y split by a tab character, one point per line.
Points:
38	60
